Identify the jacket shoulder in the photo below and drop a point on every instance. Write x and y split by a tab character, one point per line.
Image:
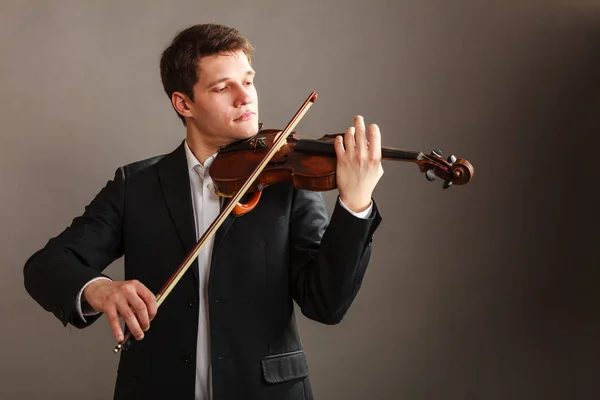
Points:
140	165
175	157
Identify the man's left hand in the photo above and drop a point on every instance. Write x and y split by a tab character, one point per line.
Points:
358	164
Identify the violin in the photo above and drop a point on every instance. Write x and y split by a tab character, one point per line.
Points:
273	156
311	165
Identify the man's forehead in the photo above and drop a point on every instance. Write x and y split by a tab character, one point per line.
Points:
224	59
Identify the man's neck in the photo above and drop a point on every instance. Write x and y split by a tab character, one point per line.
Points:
202	151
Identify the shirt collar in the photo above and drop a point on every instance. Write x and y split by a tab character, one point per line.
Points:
192	161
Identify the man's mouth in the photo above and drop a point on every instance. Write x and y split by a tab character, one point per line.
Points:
245	116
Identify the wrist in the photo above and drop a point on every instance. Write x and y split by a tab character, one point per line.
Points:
356	205
88	291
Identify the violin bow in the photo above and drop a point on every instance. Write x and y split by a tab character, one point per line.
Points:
187	262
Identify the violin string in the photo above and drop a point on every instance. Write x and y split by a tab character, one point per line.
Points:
312	137
406	152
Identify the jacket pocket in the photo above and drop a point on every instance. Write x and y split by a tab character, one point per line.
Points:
285	367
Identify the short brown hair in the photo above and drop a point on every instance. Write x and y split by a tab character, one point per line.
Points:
179	61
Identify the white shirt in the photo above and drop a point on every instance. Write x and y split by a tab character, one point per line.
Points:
206	207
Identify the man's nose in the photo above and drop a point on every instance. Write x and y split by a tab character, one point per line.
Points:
244	97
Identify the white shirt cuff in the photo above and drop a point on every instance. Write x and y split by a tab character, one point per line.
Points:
87	309
363	214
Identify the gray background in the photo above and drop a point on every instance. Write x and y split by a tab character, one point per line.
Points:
486	291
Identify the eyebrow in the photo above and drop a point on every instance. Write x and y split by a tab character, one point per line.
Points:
250	72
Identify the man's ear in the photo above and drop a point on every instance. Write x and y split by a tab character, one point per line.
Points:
182	104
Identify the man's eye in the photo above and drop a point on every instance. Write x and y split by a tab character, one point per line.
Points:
219	90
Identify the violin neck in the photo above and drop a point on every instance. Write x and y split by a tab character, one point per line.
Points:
390	153
325	147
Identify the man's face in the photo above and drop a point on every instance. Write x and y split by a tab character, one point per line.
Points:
225	107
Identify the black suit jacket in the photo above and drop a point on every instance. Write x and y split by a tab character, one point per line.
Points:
283	250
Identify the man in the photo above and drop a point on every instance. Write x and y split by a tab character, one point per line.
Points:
227	330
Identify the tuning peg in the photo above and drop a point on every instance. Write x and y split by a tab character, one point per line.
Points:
430	175
447	184
452	159
436	153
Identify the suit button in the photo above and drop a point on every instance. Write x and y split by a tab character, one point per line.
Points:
188	358
193	303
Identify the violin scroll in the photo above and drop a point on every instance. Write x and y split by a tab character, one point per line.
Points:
454	171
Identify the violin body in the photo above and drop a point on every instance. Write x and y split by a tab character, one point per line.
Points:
234	164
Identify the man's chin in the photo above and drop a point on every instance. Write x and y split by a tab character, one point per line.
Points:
248	130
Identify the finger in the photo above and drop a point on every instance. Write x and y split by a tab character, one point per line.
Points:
130	320
149	300
360	136
115	324
374	142
338	145
349	140
141	312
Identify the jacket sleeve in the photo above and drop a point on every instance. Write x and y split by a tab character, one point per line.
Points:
328	260
55	274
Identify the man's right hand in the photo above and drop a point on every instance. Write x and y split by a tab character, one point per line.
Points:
130	300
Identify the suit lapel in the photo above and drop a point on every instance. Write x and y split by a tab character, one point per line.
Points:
175	183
